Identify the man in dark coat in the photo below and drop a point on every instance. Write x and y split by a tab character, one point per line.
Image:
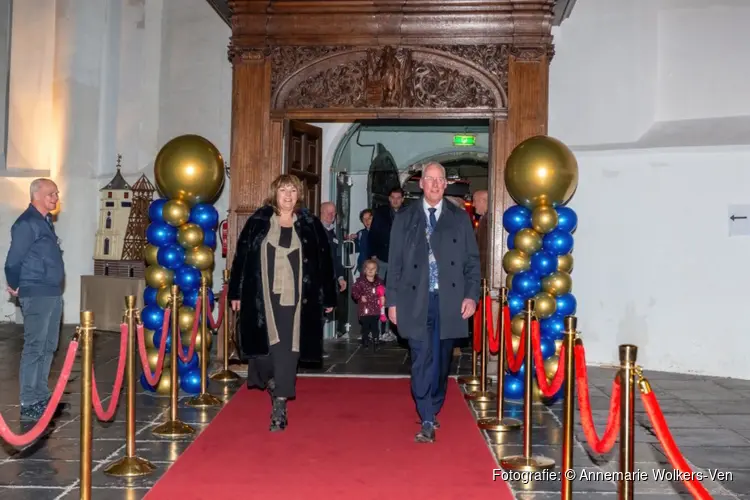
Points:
380	230
432	290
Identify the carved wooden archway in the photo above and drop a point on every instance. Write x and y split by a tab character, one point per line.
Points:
321	60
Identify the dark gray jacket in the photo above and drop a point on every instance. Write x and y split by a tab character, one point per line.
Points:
455	248
34	264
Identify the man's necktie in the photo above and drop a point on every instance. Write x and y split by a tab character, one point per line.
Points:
433	220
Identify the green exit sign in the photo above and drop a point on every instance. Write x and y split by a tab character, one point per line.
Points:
464	140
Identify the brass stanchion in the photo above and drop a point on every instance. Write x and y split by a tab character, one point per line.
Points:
527	462
204	399
483	397
569	341
628	355
174	427
130	465
225	375
500	423
86	331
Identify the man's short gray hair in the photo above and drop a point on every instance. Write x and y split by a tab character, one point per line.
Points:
434	164
36	185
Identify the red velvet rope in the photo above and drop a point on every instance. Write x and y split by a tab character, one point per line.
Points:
670	447
20	440
493	340
194	336
222	301
476	343
153	378
607	442
106	416
548	389
514	359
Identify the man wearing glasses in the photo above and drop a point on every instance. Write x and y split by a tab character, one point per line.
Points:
35	272
432	290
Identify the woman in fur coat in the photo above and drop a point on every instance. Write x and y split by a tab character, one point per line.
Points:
281	283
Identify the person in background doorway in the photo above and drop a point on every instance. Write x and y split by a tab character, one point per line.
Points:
328	218
432	290
35	272
481	207
361	239
365	294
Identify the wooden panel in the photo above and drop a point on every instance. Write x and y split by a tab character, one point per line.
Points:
304	158
498	200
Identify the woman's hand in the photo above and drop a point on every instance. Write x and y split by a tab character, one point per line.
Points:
235	305
328	309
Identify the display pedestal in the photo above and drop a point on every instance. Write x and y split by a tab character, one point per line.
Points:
105	297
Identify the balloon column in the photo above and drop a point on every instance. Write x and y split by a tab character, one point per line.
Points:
541	175
189	173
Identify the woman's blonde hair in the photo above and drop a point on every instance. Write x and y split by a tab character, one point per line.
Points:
282	181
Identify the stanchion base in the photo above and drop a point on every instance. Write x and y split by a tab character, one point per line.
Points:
527	464
469	380
173	428
495	424
480	397
225	376
130	467
204	400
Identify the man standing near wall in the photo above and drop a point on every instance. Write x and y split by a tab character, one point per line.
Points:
432	290
35	273
480	200
328	218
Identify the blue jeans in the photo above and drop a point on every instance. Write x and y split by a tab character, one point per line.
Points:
41	334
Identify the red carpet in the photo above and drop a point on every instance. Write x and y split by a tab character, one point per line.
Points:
348	438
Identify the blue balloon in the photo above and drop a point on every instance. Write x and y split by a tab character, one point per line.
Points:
513	389
190	382
158	335
552	327
191	298
527	284
566	305
149	296
515	302
205	215
152	317
558	242
187	278
146	385
516	218
171	256
156	210
193	364
209	239
548	347
543	263
567	220
161	234
511	241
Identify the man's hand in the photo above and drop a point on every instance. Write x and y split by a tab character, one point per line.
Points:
13	293
235	305
468	307
342	284
328	309
392	314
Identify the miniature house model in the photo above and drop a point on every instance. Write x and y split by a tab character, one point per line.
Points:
123	219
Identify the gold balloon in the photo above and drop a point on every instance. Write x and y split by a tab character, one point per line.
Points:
509	282
190	235
186	316
148	338
565	263
189	168
515	261
558	346
208	276
518	324
164	294
165	383
557	283
543	219
541	171
201	257
157	276
545	305
528	241
550	366
149	255
176	212
186	336
153	358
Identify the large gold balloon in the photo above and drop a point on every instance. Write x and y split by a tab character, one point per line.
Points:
164	294
528	241
153	358
518	324
207	275
157	276
176	212
557	283
165	383
565	263
544	219
189	168
515	261
201	257
190	235
149	254
545	305
550	366
186	317
541	171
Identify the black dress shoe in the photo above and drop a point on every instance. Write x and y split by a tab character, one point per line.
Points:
426	434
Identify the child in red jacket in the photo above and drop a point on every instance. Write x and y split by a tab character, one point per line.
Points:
369	301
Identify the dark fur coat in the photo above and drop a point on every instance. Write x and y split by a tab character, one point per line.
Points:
246	285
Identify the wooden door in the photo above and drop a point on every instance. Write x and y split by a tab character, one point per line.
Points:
304	158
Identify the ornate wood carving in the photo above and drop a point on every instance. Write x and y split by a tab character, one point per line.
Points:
533	53
430	77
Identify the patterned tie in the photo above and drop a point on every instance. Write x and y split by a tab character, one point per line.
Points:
432	262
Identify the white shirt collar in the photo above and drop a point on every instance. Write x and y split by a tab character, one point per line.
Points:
438	208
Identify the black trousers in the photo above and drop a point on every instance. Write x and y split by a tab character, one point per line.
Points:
370	326
430	365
